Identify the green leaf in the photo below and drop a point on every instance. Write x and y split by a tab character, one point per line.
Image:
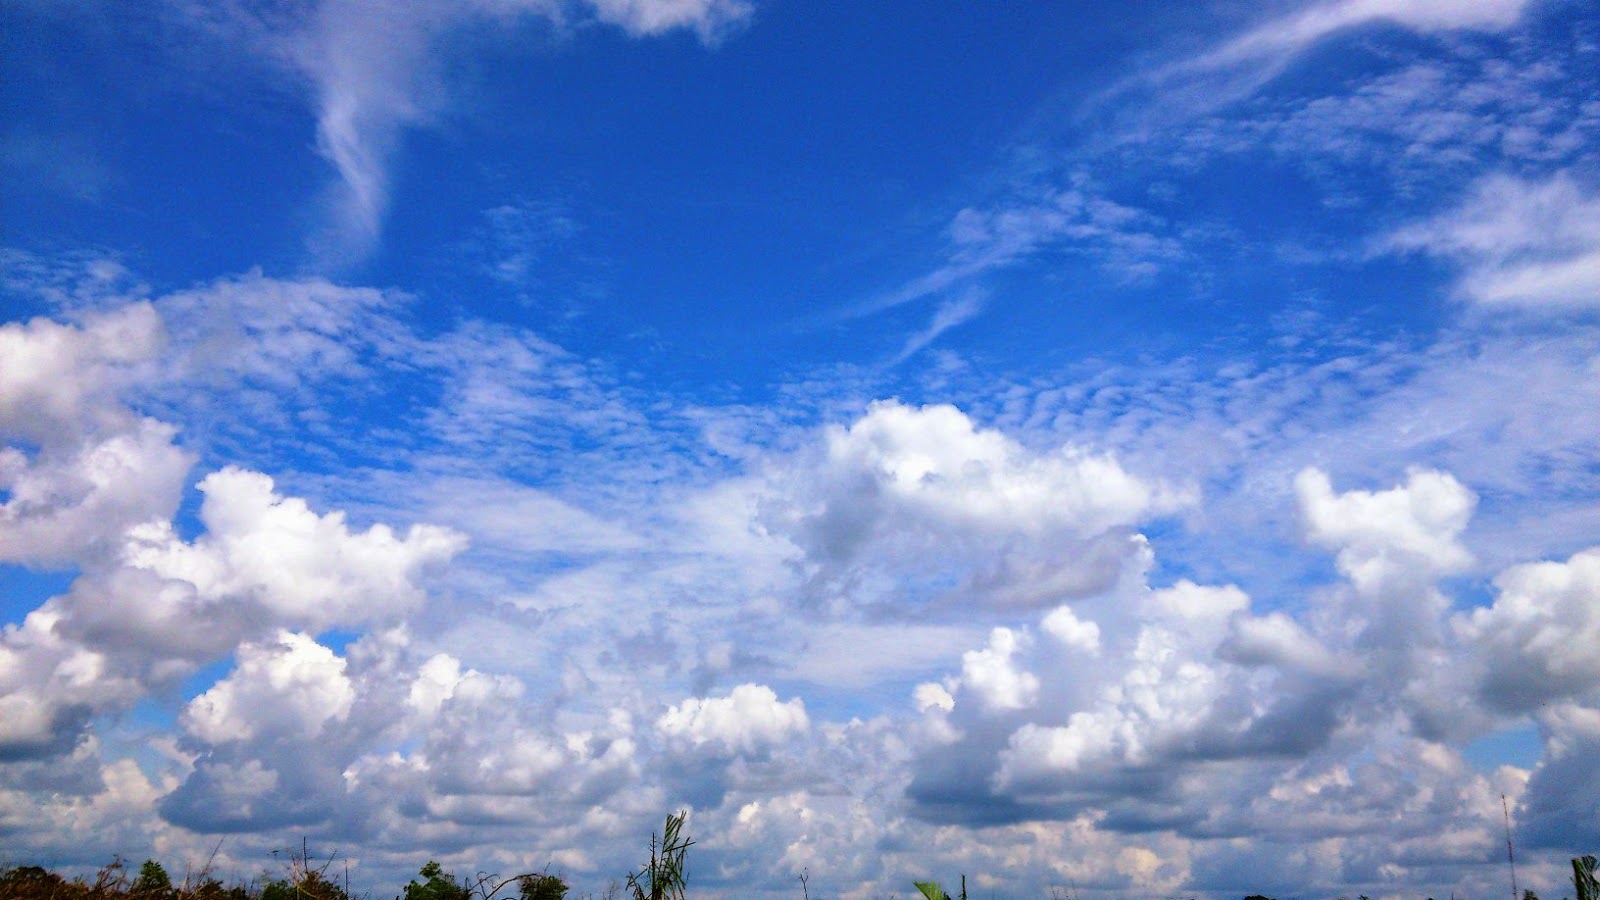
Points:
1583	878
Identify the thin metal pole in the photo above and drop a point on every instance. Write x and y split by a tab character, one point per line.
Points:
1511	856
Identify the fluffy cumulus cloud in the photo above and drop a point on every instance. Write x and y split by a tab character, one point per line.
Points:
291	686
1385	534
1533	644
84	466
274	551
990	675
1097	702
52	687
749	719
67	505
92	487
922	494
1529	653
61	379
936	463
162	607
1144	711
1171	702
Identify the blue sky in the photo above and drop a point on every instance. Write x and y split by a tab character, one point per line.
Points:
1140	452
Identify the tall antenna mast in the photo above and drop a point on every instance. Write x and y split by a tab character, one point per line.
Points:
1511	857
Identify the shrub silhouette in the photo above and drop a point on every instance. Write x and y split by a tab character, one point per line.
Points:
28	882
439	885
307	885
152	882
663	877
541	887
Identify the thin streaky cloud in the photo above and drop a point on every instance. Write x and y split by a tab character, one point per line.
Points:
949	315
1242	65
1529	245
374	72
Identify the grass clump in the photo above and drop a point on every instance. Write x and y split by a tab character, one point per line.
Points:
664	876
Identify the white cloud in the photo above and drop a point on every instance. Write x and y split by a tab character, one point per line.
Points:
1194	699
710	19
289	688
935	461
909	495
483	760
853	655
151	608
1527	244
436	682
1412	529
373	77
50	686
305	569
1237	67
441	680
1092	742
77	504
94	485
61	381
748	720
949	315
1290	34
1158	704
281	333
991	675
930	696
508	516
1037	752
1071	631
1535	645
88	467
1277	640
1201	611
115	805
1129	243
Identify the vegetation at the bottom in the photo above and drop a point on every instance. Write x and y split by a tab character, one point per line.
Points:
663	876
932	891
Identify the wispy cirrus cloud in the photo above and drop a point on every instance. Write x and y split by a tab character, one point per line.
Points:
1124	242
1528	244
1282	37
1169	120
950	314
375	70
1240	65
